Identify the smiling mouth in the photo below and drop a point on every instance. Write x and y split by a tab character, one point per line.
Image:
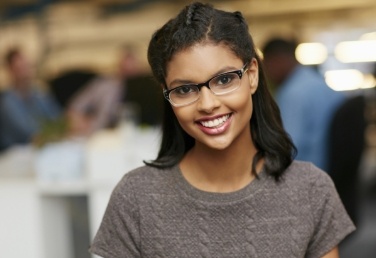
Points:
215	122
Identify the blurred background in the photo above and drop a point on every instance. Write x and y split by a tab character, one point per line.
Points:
56	181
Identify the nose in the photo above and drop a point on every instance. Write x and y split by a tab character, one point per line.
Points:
208	101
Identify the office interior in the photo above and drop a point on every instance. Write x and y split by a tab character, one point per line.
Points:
52	197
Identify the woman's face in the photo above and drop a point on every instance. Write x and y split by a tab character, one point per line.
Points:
215	121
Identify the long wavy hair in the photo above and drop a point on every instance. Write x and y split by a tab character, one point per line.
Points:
201	23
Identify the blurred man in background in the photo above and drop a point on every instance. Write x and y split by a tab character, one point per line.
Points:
98	105
23	107
352	151
305	100
352	166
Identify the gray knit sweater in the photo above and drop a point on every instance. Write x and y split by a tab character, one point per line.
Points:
157	213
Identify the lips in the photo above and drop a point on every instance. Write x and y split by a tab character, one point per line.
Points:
217	122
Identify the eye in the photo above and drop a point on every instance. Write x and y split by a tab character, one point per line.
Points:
224	79
184	90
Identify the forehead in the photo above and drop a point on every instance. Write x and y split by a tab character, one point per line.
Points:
200	61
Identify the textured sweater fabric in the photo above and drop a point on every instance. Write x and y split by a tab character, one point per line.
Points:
157	213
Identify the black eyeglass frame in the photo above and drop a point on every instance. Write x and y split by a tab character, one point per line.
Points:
240	72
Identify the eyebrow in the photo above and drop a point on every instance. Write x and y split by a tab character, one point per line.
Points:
180	82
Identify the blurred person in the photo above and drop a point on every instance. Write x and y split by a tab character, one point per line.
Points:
24	108
98	105
306	102
352	156
225	183
346	145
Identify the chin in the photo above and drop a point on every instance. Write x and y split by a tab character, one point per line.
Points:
216	145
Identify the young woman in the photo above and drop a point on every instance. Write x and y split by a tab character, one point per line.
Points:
224	183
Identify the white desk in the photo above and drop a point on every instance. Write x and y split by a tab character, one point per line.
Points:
34	217
20	219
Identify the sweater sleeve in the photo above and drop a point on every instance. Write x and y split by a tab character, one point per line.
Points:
331	222
118	234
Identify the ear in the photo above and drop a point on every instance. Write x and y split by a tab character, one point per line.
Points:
253	75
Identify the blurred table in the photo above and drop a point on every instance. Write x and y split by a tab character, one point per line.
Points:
37	184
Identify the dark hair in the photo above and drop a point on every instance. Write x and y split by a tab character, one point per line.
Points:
280	46
201	23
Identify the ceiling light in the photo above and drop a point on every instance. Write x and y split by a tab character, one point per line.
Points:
342	80
368	36
368	82
356	51
311	53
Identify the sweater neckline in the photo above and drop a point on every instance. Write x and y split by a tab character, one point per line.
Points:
214	197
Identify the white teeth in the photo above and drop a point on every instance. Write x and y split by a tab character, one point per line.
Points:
216	122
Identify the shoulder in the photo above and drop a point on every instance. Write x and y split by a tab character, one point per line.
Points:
146	179
9	99
104	81
304	170
41	94
305	81
3	96
7	94
106	86
308	75
324	210
305	175
314	187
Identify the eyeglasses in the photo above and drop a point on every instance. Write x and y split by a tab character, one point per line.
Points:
220	84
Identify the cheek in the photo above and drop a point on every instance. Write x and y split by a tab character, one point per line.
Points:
247	107
184	116
244	108
241	101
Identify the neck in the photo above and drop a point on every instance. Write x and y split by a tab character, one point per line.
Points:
219	170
